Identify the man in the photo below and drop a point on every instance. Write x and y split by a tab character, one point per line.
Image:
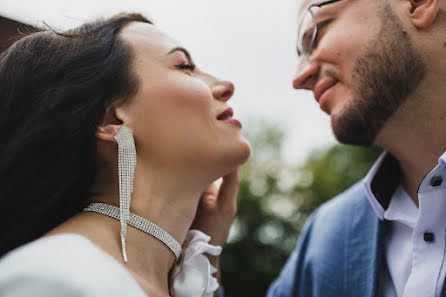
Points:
378	68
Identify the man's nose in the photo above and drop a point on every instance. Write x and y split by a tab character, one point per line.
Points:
306	75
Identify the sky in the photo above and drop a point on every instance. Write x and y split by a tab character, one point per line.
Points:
249	42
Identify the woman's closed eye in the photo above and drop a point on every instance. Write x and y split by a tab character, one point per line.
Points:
186	66
184	60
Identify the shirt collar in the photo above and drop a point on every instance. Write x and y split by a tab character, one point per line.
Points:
442	159
402	209
383	179
381	182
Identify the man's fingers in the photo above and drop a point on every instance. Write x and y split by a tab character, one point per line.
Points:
229	189
211	190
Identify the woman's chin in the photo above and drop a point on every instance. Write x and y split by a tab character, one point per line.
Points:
238	156
245	152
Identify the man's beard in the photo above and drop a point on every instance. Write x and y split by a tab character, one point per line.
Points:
384	76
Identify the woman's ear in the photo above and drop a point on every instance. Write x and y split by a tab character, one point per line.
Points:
107	132
112	122
423	12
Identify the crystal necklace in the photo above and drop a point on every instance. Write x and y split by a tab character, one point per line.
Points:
139	223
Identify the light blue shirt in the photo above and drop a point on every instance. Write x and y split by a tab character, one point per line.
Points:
415	238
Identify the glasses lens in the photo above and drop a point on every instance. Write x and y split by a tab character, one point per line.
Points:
306	33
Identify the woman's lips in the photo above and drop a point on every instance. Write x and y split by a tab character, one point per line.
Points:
226	117
323	87
234	121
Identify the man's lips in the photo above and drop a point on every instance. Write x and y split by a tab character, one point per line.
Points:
322	87
226	117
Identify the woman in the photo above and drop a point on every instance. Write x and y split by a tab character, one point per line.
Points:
112	117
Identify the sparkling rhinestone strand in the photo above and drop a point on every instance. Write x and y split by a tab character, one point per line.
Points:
126	169
139	223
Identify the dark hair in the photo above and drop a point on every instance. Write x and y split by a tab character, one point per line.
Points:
54	92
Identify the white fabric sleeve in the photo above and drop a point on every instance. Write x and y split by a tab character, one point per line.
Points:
195	276
35	286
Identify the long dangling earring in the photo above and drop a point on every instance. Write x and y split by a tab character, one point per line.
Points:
126	169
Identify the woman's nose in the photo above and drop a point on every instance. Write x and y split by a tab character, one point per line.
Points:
306	75
223	90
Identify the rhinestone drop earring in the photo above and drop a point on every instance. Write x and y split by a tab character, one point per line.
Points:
126	172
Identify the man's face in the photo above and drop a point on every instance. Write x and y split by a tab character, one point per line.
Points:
361	69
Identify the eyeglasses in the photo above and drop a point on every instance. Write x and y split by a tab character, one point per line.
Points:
307	29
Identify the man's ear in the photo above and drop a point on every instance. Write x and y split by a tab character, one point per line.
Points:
423	12
107	132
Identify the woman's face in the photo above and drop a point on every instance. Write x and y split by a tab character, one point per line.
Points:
179	117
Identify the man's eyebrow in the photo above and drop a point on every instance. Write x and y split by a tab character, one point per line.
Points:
180	49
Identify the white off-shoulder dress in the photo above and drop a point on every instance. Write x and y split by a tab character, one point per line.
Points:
66	265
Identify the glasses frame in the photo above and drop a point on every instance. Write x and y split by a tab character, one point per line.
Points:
307	53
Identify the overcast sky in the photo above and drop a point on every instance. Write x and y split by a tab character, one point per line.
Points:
250	42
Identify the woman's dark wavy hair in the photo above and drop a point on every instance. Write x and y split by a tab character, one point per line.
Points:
54	92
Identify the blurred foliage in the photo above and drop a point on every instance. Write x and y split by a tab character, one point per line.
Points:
275	199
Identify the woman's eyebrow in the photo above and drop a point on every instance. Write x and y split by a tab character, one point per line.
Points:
180	49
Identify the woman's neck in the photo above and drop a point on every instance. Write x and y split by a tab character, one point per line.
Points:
164	197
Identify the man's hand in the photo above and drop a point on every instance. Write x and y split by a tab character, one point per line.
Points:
216	212
217	209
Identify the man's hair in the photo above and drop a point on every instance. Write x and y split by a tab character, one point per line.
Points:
54	90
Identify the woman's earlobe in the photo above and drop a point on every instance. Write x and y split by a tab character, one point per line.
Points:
423	12
107	132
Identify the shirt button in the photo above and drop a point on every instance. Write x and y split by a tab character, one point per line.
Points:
429	237
436	181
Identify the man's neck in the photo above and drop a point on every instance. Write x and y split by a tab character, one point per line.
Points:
416	137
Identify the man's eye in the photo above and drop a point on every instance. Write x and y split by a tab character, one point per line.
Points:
306	39
320	32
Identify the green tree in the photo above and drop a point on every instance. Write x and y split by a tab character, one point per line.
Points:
275	199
